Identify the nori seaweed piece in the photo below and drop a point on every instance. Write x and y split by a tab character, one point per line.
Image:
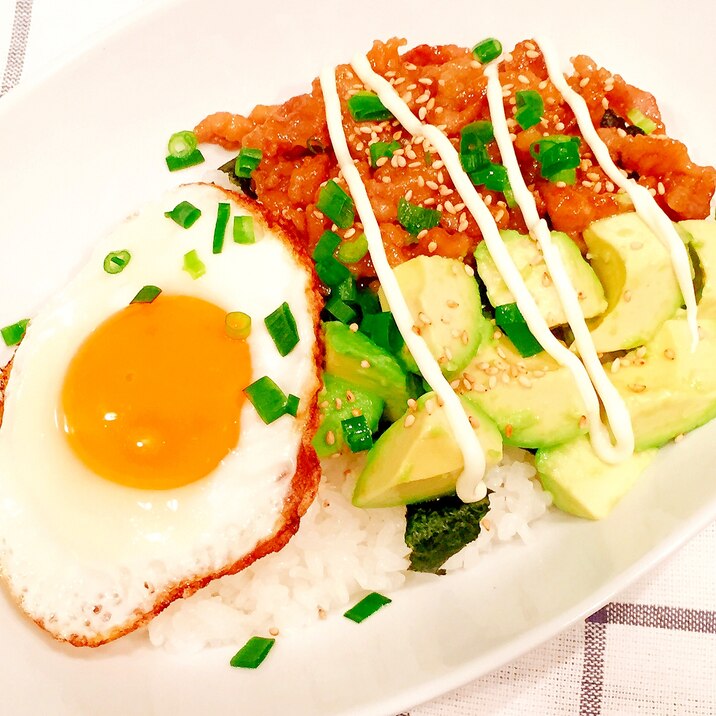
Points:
244	183
438	529
611	119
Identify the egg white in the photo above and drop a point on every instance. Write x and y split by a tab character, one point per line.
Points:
85	556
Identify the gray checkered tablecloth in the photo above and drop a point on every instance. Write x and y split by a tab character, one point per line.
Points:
652	651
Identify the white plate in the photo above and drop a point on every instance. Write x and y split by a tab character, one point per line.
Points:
84	147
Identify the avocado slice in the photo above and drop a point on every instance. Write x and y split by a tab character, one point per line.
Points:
534	401
418	459
581	484
337	401
444	301
353	357
702	239
636	272
668	389
526	254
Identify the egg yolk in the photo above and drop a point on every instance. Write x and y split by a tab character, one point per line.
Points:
153	396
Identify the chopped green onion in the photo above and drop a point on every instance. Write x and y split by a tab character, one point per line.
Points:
473	152
346	289
252	654
246	162
416	218
267	398
336	205
428	159
281	326
567	176
368	302
184	213
182	144
530	108
509	318
493	177
339	309
146	294
481	129
326	246
176	163
639	119
222	219
357	433
292	402
487	50
116	261
193	265
237	325
350	252
378	150
366	107
244	230
366	607
332	272
556	154
383	331
13	334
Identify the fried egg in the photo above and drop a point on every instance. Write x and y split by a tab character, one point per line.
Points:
133	470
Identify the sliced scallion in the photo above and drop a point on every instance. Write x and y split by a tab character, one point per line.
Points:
414	218
366	607
184	213
292	402
492	177
244	230
146	294
116	261
378	150
176	163
252	654
357	433
383	331
222	219
237	325
529	108
332	272
338	308
326	246
281	326
350	252
639	119
366	107
14	333
473	152
182	144
487	50
247	161
509	318
267	398
336	205
193	265
556	154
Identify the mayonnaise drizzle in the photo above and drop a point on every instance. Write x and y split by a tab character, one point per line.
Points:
470	484
643	201
615	408
500	255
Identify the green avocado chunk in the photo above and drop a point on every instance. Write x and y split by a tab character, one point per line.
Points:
337	401
637	274
437	530
581	484
353	357
668	389
534	401
444	301
417	457
702	238
528	258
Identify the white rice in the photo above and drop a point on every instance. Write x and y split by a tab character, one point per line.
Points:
338	554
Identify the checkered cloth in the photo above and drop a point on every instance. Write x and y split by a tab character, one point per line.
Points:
651	652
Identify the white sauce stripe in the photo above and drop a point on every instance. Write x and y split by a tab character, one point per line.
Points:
644	203
615	408
470	484
490	232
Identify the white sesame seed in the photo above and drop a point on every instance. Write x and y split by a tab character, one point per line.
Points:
431	185
532	54
364	364
661	189
584	82
353	327
422	113
409	420
432	247
524	80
